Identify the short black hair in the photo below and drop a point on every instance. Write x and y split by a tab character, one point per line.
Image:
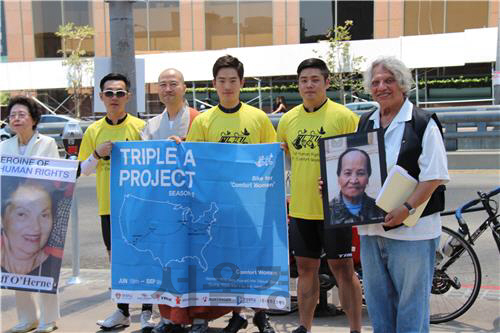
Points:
228	61
115	77
29	103
314	63
347	151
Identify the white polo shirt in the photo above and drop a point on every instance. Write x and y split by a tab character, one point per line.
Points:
433	165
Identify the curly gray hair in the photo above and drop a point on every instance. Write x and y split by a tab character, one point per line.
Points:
401	73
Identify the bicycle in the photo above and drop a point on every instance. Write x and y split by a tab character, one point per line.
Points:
457	276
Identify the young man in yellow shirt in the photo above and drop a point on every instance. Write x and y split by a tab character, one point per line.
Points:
94	153
300	129
232	121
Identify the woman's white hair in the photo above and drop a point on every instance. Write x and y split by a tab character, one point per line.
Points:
401	73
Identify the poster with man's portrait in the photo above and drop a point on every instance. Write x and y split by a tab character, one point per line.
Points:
35	208
353	170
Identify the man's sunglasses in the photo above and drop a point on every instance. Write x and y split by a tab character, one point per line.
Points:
117	93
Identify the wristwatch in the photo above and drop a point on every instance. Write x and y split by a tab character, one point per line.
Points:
411	210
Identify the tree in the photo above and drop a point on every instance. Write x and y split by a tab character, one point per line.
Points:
4	98
345	68
72	37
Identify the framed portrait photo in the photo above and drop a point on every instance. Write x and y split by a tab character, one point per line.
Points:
353	170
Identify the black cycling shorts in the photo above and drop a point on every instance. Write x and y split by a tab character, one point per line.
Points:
308	238
106	231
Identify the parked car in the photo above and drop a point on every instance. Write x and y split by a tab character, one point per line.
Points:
4	133
360	107
51	125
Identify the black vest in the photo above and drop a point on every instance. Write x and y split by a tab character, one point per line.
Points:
411	148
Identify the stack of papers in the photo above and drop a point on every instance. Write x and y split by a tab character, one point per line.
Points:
397	188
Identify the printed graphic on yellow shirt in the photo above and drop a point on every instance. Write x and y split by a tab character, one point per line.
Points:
308	139
235	137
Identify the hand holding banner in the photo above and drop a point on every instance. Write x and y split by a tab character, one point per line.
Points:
36	200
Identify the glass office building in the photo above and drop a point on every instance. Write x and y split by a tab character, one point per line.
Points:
194	25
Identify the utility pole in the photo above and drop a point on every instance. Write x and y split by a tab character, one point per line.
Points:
122	45
496	74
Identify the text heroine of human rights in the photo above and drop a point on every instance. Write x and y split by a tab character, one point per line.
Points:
37	167
36	195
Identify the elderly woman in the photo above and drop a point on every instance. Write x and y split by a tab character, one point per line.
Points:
23	118
353	205
398	261
27	220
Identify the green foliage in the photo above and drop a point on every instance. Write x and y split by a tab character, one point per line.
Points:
72	37
458	82
345	68
283	88
4	98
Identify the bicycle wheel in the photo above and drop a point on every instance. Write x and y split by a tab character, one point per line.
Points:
457	278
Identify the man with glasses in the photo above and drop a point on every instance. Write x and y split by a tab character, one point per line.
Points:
94	153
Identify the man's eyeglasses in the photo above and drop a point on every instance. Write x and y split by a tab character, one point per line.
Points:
117	93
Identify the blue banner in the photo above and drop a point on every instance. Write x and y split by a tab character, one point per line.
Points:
199	224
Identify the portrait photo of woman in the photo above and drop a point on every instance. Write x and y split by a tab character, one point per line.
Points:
28	218
353	205
353	171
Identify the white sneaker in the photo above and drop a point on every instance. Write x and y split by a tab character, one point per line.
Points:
46	328
146	321
24	327
115	320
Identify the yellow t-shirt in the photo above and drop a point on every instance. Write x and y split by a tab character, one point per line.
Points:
301	131
97	133
247	125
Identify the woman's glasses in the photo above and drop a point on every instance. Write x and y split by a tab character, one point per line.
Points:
20	115
117	93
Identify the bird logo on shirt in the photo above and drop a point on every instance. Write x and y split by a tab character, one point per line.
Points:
306	139
234	137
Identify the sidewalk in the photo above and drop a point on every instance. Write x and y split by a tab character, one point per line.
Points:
82	304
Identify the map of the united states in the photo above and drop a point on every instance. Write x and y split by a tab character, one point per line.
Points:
144	226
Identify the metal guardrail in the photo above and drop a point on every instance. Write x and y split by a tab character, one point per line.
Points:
470	129
476	129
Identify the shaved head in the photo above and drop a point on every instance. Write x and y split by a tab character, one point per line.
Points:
171	88
170	72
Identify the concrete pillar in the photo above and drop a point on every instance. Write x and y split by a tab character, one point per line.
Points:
122	45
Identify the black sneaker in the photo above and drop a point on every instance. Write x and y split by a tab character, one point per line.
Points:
300	329
235	324
261	320
168	328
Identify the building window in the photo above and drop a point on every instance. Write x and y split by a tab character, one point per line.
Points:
256	23
221	29
434	17
316	17
49	15
238	24
157	25
361	13
3	40
461	15
79	13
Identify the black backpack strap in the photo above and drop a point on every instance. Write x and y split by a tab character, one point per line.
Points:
365	124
